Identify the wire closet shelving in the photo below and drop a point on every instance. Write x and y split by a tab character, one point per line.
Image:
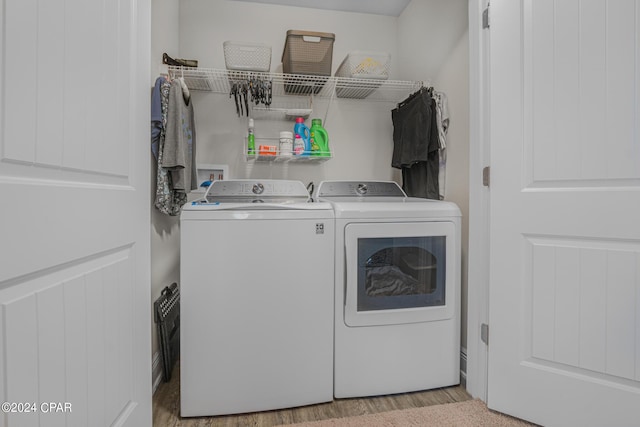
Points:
220	81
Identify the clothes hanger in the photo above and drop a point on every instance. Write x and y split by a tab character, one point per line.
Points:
185	90
428	89
410	97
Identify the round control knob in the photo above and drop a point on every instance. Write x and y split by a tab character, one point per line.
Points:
361	189
257	188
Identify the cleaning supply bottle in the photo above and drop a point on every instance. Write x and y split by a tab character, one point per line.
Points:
251	140
286	143
315	148
298	145
319	139
301	129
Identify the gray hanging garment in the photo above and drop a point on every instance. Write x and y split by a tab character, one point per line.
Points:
416	144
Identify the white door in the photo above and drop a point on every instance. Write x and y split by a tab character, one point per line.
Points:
564	345
74	227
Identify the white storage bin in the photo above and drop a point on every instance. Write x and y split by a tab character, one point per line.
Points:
245	56
370	68
365	65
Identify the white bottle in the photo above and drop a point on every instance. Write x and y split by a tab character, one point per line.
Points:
286	143
298	145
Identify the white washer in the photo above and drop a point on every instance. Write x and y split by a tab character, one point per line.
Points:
397	298
256	299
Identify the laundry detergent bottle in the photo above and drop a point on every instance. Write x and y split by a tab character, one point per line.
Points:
301	129
319	139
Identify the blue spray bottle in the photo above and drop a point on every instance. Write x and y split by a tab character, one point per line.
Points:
301	129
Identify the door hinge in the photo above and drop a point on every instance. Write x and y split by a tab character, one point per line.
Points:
485	17
484	333
486	176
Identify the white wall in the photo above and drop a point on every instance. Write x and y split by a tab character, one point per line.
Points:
165	236
428	31
433	45
360	133
453	79
165	32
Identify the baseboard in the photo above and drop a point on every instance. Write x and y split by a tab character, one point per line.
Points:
463	367
156	371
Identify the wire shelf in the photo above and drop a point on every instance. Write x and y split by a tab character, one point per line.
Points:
278	157
220	81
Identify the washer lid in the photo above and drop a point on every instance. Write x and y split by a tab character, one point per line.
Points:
250	195
252	208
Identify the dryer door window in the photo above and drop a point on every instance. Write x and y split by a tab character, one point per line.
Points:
399	272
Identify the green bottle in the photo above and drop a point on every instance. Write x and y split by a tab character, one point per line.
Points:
319	139
251	140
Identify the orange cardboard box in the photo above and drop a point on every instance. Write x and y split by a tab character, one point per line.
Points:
267	150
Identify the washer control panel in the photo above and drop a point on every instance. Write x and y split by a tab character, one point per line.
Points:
248	189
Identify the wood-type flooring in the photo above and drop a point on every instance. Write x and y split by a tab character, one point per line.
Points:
166	407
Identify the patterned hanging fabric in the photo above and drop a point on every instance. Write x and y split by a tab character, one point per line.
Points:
168	200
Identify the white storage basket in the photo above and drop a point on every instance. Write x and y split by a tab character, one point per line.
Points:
246	56
365	65
370	68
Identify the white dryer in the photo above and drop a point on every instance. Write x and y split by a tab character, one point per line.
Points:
397	289
256	299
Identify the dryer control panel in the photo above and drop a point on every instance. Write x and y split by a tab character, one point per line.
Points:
360	189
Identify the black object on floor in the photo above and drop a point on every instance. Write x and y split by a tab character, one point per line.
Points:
167	316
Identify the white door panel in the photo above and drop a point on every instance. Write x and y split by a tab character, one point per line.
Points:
74	282
581	90
565	198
